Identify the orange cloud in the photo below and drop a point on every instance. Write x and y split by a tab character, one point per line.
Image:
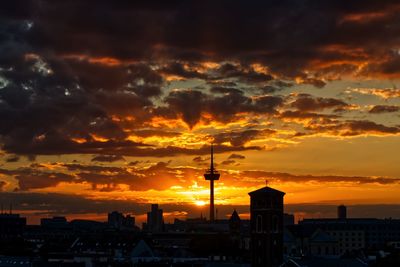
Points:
384	93
105	61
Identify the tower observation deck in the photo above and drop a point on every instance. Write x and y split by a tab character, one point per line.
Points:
212	175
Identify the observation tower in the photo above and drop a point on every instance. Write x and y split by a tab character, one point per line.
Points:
212	175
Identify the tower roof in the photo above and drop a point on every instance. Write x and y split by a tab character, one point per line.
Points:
266	190
234	216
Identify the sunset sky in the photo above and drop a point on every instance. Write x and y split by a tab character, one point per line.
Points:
113	105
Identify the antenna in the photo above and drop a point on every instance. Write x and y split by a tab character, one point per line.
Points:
2	209
10	208
266	182
212	159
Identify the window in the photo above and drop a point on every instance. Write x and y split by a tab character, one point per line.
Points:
259	227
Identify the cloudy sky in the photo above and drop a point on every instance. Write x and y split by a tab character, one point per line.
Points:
113	105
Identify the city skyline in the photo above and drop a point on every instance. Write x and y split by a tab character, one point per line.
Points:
114	106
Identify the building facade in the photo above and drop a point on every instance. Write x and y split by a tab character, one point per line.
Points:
342	212
155	219
357	233
11	225
266	224
117	220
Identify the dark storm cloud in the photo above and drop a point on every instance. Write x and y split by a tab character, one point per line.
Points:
299	115
94	74
133	163
178	69
147	177
47	100
102	178
155	132
229	162
108	158
192	104
200	159
120	148
31	178
12	158
222	27
274	87
43	113
236	156
69	77
333	125
284	35
384	109
225	90
258	177
359	127
354	128
243	137
76	167
136	179
242	74
306	103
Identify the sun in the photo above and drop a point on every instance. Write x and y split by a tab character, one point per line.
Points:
200	203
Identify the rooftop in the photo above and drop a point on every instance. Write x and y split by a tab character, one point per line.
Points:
266	190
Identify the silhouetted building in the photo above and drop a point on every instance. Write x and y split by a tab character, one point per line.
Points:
55	222
342	212
212	175
266	224
11	225
79	225
358	233
288	219
300	241
234	223
117	220
155	220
